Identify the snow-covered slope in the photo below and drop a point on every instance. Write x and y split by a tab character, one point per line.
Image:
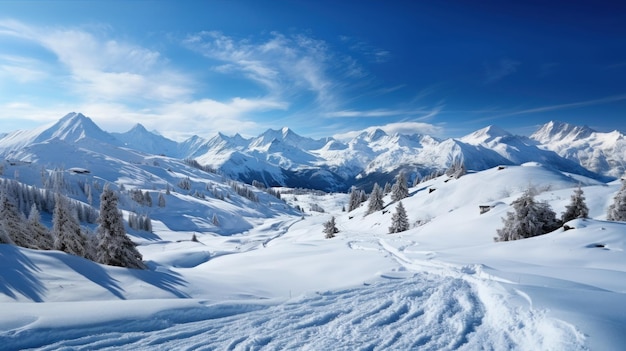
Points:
603	153
139	138
442	285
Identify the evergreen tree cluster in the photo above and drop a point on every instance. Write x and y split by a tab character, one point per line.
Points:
139	222
357	197
529	218
24	197
141	197
244	191
66	233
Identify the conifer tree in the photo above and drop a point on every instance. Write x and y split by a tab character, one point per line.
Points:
387	188
114	247
41	236
376	202
161	200
577	207
400	189
399	220
66	231
13	223
355	199
529	218
330	228
617	210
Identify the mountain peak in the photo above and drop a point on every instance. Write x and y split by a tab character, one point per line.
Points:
485	135
376	134
559	131
74	127
139	128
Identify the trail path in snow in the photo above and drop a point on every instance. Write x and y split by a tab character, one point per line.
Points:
425	305
424	311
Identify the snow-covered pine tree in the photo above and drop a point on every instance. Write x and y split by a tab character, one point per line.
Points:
161	200
40	235
387	189
114	247
376	200
399	220
355	199
4	237
577	207
330	228
529	218
215	221
400	189
456	170
147	199
617	210
66	231
13	223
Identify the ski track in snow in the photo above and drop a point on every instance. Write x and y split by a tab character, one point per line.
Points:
428	306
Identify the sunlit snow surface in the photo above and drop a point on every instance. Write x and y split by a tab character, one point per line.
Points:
442	285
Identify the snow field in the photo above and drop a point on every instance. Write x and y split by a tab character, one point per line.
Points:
442	285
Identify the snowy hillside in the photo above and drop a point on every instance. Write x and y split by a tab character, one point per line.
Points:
278	284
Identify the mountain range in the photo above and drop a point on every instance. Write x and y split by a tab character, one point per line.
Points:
282	157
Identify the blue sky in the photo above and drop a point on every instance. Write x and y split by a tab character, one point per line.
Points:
444	68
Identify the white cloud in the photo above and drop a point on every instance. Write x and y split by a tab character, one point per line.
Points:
21	69
105	69
422	113
284	65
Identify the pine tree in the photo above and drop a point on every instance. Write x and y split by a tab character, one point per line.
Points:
376	200
617	210
355	199
400	189
529	218
399	220
147	199
330	228
161	200
66	231
456	170
41	236
577	207
114	247
215	221
13	223
387	189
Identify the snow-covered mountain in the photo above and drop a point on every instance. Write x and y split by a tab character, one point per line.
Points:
139	138
284	158
603	153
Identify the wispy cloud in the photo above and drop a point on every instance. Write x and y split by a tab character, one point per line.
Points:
371	52
21	69
120	83
503	68
421	113
284	65
105	69
550	108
